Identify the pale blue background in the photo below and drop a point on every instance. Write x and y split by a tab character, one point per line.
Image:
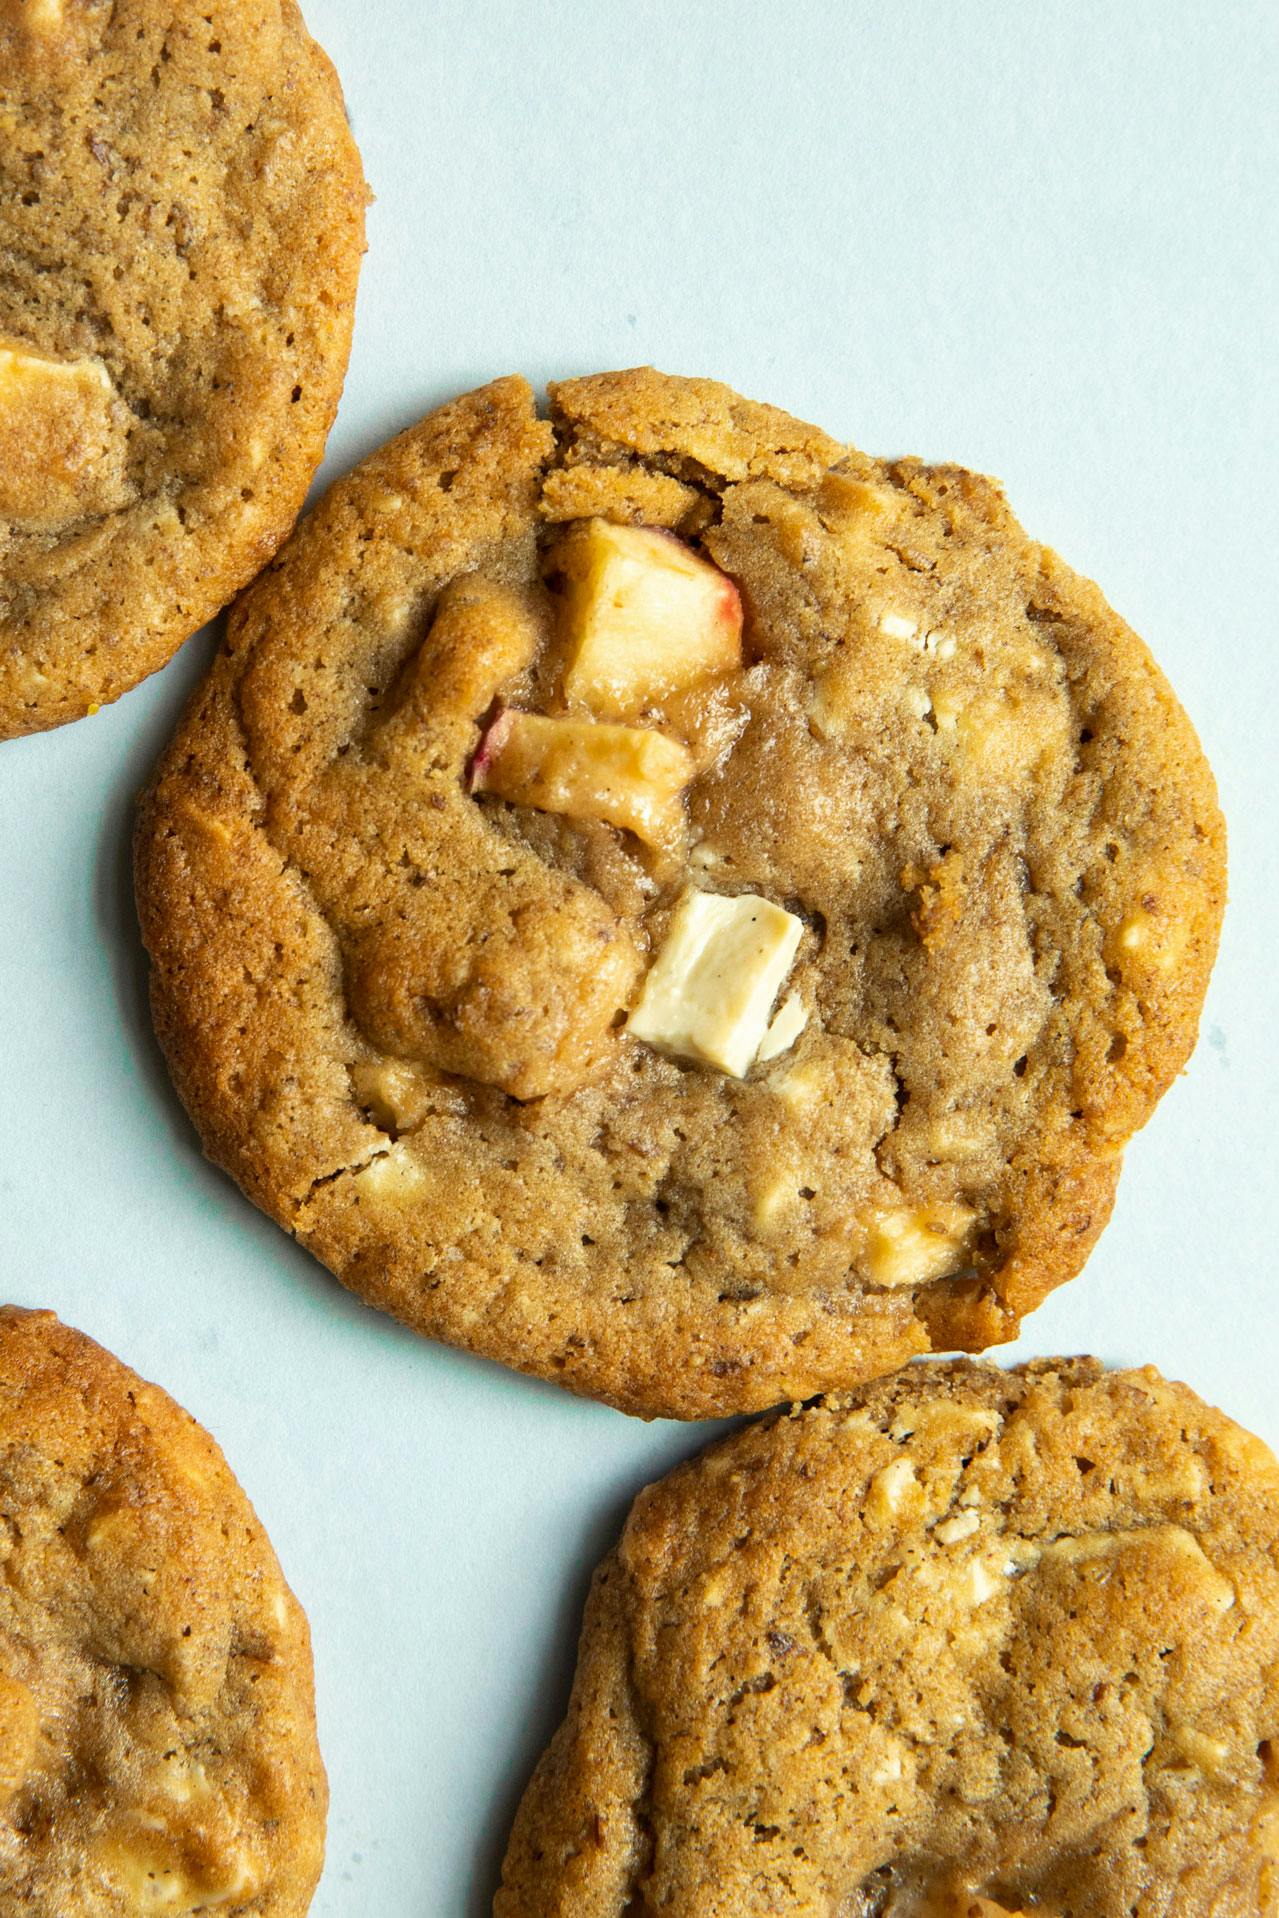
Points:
1036	238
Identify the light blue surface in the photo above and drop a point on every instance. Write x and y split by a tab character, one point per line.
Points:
1038	239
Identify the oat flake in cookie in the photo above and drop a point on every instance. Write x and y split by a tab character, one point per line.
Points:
666	901
968	1643
157	1722
181	226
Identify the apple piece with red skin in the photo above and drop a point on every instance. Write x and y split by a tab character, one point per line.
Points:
645	617
631	777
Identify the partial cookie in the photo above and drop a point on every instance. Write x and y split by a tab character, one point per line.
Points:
674	904
971	1642
181	227
157	1718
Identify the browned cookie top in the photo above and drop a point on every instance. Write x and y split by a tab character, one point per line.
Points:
675	904
181	226
968	1643
157	1723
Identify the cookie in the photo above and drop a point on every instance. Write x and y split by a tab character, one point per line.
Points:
969	1642
181	226
157	1720
664	900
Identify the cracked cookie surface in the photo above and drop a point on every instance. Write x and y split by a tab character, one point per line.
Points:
157	1721
181	226
431	851
967	1643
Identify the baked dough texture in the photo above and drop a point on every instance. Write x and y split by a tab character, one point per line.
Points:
181	227
395	1000
157	1720
969	1642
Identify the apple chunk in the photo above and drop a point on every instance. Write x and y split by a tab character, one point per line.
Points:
645	617
627	776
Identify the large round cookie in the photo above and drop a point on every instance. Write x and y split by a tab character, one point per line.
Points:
478	866
157	1723
181	225
968	1643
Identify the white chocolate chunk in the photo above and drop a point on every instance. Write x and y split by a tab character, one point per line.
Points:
1206	1754
790	1020
890	1488
898	626
772	1200
392	1092
909	1245
805	1086
951	1530
1265	1836
715	1590
1087	1547
60	455
889	1770
982	1582
26	378
1158	942
148	1866
944	1420
391	1175
710	992
958	1135
184	1779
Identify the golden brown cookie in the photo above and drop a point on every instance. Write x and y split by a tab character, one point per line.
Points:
157	1719
664	900
181	226
969	1642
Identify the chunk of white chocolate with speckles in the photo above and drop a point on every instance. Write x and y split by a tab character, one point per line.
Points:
1168	1540
909	1245
149	1866
60	454
1150	939
710	993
